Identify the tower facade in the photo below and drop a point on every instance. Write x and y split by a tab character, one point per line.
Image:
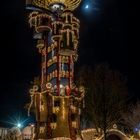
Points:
57	100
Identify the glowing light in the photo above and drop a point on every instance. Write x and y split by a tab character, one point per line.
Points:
56	6
61	86
69	4
87	6
16	121
19	125
32	125
90	8
63	108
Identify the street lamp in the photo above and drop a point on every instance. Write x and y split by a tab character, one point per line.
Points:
19	125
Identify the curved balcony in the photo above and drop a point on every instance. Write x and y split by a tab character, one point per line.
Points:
56	38
66	52
67	43
56	31
43	23
75	45
75	22
67	26
40	21
67	17
32	19
75	27
42	28
57	27
40	44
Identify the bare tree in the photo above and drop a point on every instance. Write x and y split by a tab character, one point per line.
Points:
132	117
105	97
14	134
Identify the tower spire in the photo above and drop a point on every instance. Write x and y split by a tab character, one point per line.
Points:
57	100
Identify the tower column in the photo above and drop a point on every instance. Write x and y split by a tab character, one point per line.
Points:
57	99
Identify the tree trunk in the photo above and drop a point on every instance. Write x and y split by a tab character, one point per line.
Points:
105	134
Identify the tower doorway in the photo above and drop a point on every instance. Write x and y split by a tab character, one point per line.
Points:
113	137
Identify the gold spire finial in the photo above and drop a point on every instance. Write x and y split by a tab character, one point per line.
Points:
68	4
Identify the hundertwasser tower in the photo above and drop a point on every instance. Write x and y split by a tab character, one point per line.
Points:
57	100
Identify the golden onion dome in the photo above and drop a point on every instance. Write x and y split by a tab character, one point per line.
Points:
66	4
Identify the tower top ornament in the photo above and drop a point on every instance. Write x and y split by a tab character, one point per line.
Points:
56	4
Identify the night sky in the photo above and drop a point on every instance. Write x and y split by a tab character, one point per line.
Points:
103	38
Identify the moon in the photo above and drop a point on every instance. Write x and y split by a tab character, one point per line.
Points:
87	6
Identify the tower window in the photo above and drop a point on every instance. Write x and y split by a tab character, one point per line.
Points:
53	118
73	117
57	103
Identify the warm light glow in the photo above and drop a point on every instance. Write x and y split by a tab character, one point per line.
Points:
69	4
61	86
58	54
63	108
19	125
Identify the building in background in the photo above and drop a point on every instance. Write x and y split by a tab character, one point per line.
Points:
28	132
3	133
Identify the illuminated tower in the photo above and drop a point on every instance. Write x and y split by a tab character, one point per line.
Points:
57	100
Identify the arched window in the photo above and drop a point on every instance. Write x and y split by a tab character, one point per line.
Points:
53	118
73	117
57	103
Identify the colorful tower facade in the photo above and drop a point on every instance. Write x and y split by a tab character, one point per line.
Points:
57	100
